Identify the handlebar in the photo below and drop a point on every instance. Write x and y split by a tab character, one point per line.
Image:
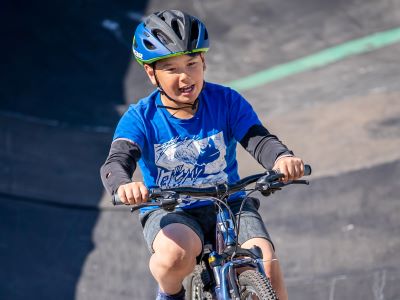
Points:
266	181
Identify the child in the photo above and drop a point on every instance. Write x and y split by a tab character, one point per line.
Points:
185	134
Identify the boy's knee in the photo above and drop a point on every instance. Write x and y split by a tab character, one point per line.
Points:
175	259
177	240
176	248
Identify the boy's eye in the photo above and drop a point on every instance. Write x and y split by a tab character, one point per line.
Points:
191	64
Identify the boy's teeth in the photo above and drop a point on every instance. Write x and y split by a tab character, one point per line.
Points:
187	89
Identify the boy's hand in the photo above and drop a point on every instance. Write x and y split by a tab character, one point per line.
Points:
133	193
291	166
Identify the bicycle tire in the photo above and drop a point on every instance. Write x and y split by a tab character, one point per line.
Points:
196	284
253	285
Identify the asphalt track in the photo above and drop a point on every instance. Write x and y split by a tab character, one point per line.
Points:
67	74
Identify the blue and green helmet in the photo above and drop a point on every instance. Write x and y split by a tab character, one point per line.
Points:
168	33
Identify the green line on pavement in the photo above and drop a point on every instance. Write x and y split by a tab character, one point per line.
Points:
319	59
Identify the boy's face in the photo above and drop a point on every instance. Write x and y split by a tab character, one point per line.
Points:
181	77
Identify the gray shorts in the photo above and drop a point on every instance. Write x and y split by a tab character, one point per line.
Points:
202	221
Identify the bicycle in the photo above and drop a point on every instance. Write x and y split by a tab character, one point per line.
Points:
216	276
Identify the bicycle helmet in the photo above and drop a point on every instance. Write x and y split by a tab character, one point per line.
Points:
168	33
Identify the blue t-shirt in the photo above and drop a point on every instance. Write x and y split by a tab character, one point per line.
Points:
199	151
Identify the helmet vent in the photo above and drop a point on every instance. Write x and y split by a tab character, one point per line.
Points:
165	40
149	45
175	28
194	34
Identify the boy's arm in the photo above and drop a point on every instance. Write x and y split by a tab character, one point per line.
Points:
120	164
263	146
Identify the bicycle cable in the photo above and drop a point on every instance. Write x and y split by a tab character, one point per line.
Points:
219	203
238	220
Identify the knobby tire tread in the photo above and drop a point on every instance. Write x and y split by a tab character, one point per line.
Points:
252	281
199	278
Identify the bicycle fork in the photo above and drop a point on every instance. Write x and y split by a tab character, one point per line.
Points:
226	283
225	275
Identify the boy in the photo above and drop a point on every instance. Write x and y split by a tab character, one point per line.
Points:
185	134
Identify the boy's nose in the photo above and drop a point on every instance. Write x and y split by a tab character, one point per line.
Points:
184	77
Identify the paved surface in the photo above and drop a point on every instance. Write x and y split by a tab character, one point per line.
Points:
339	232
65	83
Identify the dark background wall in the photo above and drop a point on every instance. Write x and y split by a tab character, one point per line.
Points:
63	67
65	60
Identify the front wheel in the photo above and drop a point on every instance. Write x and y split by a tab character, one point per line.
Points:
196	284
253	285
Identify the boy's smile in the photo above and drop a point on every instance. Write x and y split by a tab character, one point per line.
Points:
187	89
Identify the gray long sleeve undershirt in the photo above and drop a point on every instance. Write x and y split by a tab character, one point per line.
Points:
119	165
264	146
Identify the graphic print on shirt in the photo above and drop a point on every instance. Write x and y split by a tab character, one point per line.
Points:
191	161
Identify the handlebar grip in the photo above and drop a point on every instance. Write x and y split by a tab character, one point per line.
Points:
116	201
307	170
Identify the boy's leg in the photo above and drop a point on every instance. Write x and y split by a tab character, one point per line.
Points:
175	239
175	247
271	265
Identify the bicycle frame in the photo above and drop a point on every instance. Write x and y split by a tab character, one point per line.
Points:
224	268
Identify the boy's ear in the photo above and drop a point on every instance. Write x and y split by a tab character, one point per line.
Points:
150	73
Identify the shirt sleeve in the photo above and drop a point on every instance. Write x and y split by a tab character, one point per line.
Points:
265	147
131	127
119	165
241	115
